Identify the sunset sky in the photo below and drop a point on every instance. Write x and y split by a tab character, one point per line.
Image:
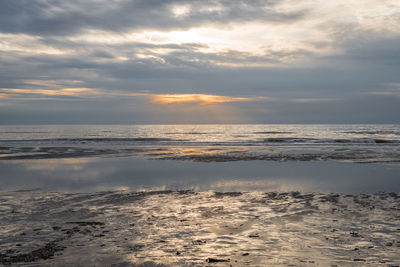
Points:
175	61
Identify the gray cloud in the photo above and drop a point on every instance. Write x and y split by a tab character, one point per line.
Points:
360	63
57	17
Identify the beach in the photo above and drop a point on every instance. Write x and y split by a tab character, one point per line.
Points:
186	228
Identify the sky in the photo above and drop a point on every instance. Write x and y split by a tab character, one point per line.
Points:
220	61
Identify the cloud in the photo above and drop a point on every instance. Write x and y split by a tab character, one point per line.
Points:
390	89
159	99
268	60
46	92
34	89
56	17
311	100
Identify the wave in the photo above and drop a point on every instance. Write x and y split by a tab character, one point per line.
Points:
288	140
366	141
331	141
194	141
23	132
95	140
196	133
373	132
272	132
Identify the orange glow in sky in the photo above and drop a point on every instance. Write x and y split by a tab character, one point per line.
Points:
202	99
48	92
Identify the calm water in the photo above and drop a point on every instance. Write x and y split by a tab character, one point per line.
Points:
339	158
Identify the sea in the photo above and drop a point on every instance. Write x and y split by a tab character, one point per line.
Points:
200	195
335	158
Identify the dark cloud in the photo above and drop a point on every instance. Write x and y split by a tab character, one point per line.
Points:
58	17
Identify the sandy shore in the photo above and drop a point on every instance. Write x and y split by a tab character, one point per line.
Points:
184	228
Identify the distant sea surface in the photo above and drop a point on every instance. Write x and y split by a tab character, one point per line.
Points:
223	157
355	143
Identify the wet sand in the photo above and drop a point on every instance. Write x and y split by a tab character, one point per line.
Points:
360	153
186	228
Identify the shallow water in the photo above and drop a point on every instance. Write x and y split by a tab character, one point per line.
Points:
136	173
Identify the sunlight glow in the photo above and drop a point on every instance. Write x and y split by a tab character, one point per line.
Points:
180	11
253	42
255	38
202	99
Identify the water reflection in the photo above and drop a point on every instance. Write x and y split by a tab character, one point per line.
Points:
96	174
184	228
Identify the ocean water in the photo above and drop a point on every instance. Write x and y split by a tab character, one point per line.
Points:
318	158
351	143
